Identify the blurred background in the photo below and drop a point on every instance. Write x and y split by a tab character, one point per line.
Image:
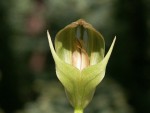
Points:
28	83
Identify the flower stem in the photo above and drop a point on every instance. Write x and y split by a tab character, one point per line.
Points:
78	111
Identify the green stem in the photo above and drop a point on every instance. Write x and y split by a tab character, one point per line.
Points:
78	111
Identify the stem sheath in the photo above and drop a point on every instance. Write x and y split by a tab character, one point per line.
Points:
78	111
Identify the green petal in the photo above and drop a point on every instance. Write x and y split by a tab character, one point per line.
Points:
96	72
105	60
67	70
64	41
93	75
96	44
68	75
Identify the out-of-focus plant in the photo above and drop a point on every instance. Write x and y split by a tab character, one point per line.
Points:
80	61
109	98
1	111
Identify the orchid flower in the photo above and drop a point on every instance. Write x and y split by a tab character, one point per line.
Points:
80	60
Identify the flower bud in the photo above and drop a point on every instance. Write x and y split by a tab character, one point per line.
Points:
80	61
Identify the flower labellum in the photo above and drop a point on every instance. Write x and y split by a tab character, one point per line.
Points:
79	56
80	60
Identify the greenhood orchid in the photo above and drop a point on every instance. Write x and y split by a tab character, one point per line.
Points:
80	60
